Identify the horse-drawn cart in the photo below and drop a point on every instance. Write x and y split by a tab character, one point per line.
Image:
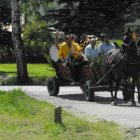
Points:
64	77
93	79
90	80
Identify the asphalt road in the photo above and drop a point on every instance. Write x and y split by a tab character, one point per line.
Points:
72	99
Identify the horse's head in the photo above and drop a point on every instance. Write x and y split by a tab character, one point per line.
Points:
128	38
129	43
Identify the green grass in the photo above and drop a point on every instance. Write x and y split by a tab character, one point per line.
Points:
25	118
38	73
34	70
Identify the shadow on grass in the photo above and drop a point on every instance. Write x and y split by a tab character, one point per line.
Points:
12	80
6	74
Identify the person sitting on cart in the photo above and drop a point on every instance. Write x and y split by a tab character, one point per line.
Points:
92	55
72	51
91	50
59	38
69	49
74	38
105	46
84	41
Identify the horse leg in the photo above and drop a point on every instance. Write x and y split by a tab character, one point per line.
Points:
114	102
111	91
138	88
125	91
117	87
117	84
133	103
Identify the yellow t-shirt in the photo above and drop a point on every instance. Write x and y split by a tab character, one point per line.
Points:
64	50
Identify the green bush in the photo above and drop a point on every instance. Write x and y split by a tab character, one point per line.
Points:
35	42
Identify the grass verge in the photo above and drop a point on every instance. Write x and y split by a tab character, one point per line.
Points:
38	73
24	118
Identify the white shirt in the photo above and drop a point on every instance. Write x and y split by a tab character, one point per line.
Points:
91	52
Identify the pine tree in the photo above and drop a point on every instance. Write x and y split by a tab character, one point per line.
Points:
94	16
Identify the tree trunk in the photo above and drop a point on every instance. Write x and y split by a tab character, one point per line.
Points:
22	75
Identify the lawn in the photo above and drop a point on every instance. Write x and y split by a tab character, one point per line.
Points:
38	73
25	118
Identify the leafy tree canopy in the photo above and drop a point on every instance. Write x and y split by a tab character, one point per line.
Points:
91	15
5	13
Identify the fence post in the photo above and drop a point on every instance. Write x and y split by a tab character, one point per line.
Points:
58	115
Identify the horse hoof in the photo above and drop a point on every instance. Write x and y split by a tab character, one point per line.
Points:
133	103
114	103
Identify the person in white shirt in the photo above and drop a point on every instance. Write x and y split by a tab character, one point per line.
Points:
91	51
105	46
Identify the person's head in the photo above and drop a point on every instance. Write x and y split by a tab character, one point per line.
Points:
93	42
73	37
68	40
105	37
134	36
83	36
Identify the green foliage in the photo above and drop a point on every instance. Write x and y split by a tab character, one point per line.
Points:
34	38
5	13
32	7
93	17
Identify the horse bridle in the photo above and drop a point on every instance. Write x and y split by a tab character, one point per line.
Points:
127	45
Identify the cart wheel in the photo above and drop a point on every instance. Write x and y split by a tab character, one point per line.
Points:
89	93
53	86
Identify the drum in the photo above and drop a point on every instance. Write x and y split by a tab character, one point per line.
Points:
54	53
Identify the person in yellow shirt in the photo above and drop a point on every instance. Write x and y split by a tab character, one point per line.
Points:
69	49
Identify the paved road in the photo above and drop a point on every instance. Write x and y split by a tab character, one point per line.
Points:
72	99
